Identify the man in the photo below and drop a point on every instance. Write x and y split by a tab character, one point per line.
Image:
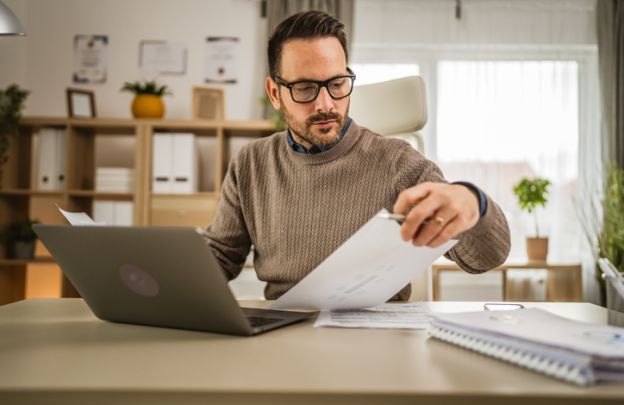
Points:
298	195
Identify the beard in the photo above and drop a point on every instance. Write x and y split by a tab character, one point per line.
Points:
319	137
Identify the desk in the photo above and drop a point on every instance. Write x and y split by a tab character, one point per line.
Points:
54	351
553	269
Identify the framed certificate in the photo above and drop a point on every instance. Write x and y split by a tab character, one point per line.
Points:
80	103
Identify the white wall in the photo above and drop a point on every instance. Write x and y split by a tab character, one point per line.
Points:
42	61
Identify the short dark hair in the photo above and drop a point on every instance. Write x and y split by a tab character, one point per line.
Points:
304	25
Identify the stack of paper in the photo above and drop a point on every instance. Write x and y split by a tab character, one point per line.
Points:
114	179
576	352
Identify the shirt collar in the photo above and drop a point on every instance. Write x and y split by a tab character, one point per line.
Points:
314	149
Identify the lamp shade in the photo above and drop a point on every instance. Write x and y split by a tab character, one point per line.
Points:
9	24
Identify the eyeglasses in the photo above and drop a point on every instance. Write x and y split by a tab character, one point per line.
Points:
305	91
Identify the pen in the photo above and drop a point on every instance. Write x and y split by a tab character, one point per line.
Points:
397	217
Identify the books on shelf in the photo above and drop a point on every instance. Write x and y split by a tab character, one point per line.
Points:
575	352
114	179
117	213
50	159
175	163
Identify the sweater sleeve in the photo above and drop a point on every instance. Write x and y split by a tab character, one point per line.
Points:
481	248
228	236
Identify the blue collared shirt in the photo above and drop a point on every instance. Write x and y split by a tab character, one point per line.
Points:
314	149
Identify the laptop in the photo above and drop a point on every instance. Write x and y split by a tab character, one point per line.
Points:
154	276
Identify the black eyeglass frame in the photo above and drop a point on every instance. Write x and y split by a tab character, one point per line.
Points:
320	84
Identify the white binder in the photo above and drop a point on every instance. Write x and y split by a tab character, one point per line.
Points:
175	163
162	163
104	212
60	158
116	213
51	160
575	352
123	213
184	164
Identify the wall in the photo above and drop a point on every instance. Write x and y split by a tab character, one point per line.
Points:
42	61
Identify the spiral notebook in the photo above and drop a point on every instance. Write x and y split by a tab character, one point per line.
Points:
575	352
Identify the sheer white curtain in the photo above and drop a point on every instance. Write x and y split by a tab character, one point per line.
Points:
511	92
498	121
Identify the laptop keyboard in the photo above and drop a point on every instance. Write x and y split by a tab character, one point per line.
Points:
256	321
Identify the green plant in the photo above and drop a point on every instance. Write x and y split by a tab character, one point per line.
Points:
145	87
275	116
604	224
12	101
532	193
20	231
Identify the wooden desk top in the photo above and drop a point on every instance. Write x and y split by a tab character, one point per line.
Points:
55	351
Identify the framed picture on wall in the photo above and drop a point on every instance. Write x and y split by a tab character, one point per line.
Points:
208	103
80	103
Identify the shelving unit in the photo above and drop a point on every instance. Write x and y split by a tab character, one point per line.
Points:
217	143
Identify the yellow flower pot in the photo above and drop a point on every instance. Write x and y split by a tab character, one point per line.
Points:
148	106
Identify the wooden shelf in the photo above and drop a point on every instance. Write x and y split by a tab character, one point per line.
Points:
27	192
100	194
186	195
218	141
20	262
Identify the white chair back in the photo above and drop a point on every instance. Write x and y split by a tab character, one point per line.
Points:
396	108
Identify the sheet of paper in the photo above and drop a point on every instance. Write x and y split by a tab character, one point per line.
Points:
413	315
78	218
365	271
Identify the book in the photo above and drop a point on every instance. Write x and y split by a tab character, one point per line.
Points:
575	352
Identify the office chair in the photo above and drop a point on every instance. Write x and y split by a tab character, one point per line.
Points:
396	108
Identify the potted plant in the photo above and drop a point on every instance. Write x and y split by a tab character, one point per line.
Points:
11	104
532	193
147	101
20	239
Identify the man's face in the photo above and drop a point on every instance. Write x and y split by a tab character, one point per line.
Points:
320	121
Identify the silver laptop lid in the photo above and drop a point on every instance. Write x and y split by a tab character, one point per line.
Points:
150	276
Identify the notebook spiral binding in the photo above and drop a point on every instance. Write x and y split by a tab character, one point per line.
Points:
573	373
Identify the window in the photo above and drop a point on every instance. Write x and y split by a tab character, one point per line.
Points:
498	121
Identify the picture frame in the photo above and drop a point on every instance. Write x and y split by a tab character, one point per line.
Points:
208	103
80	103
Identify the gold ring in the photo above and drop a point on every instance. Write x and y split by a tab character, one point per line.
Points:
439	220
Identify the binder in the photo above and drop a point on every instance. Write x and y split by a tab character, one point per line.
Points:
115	213
123	213
175	163
184	164
60	158
51	159
104	212
575	352
162	163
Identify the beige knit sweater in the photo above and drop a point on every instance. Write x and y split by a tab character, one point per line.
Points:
296	208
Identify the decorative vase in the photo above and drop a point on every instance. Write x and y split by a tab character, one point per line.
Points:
24	250
148	106
537	249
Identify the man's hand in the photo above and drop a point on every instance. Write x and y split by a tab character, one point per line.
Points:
436	212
